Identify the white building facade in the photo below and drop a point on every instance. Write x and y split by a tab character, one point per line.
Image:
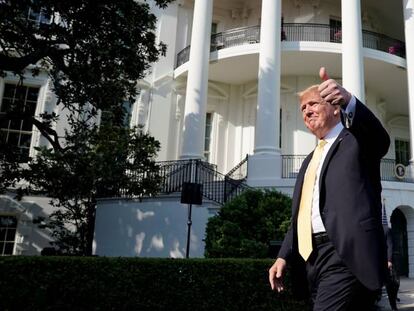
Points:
227	88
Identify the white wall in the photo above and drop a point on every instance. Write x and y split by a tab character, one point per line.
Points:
401	195
30	240
151	228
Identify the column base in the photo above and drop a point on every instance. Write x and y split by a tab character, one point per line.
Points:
264	170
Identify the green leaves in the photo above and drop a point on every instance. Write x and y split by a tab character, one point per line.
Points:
94	52
245	226
124	284
104	161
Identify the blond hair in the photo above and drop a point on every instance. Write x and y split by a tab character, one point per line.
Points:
310	89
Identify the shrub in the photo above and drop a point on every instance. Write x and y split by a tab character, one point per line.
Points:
244	226
94	283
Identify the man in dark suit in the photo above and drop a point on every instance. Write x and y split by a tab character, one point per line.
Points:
392	283
338	196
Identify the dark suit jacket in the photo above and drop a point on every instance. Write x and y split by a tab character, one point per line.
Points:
388	241
350	199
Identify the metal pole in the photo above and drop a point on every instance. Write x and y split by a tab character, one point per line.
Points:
189	222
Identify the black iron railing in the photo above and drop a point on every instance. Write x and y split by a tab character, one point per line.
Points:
298	32
239	172
183	56
292	163
215	186
235	37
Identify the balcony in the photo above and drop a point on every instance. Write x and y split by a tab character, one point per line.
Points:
292	163
297	32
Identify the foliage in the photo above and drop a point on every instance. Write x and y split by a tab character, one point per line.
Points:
93	51
244	226
9	168
98	161
93	283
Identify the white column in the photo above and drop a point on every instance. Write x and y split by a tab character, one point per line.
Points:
178	117
197	82
142	109
352	56
264	167
408	8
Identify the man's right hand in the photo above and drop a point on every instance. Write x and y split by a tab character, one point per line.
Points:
331	91
276	272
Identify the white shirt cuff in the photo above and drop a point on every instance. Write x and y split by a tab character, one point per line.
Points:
350	111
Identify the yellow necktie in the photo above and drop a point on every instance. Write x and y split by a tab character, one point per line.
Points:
305	207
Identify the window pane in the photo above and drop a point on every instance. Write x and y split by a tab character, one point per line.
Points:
213	28
5	105
19	99
27	125
4	124
8	249
15	125
25	140
30	108
9	90
32	93
24	155
8	221
13	139
207	137
402	152
1	248
20	95
44	18
11	233
2	234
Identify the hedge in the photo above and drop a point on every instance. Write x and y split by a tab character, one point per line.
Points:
99	283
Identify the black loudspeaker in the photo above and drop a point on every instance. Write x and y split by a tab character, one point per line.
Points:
191	193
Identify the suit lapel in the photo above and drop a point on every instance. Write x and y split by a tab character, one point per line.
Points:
331	152
299	184
301	174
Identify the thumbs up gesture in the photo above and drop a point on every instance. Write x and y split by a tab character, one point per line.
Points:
331	91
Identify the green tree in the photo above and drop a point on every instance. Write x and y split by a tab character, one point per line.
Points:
94	51
98	161
244	226
9	167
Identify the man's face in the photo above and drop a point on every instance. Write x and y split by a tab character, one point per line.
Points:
318	115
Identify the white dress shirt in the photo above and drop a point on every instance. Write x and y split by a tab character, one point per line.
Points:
349	113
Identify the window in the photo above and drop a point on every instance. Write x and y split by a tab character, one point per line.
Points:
213	28
17	132
280	129
8	225
402	152
335	26
38	16
128	113
108	116
207	136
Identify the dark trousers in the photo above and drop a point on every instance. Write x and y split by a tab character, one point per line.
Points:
332	285
392	284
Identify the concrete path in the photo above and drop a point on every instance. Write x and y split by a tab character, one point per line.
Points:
406	295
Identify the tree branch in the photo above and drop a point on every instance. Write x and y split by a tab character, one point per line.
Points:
16	64
49	133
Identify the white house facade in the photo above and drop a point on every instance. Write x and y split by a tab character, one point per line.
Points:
227	89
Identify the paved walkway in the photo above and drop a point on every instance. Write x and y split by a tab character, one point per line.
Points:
406	295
